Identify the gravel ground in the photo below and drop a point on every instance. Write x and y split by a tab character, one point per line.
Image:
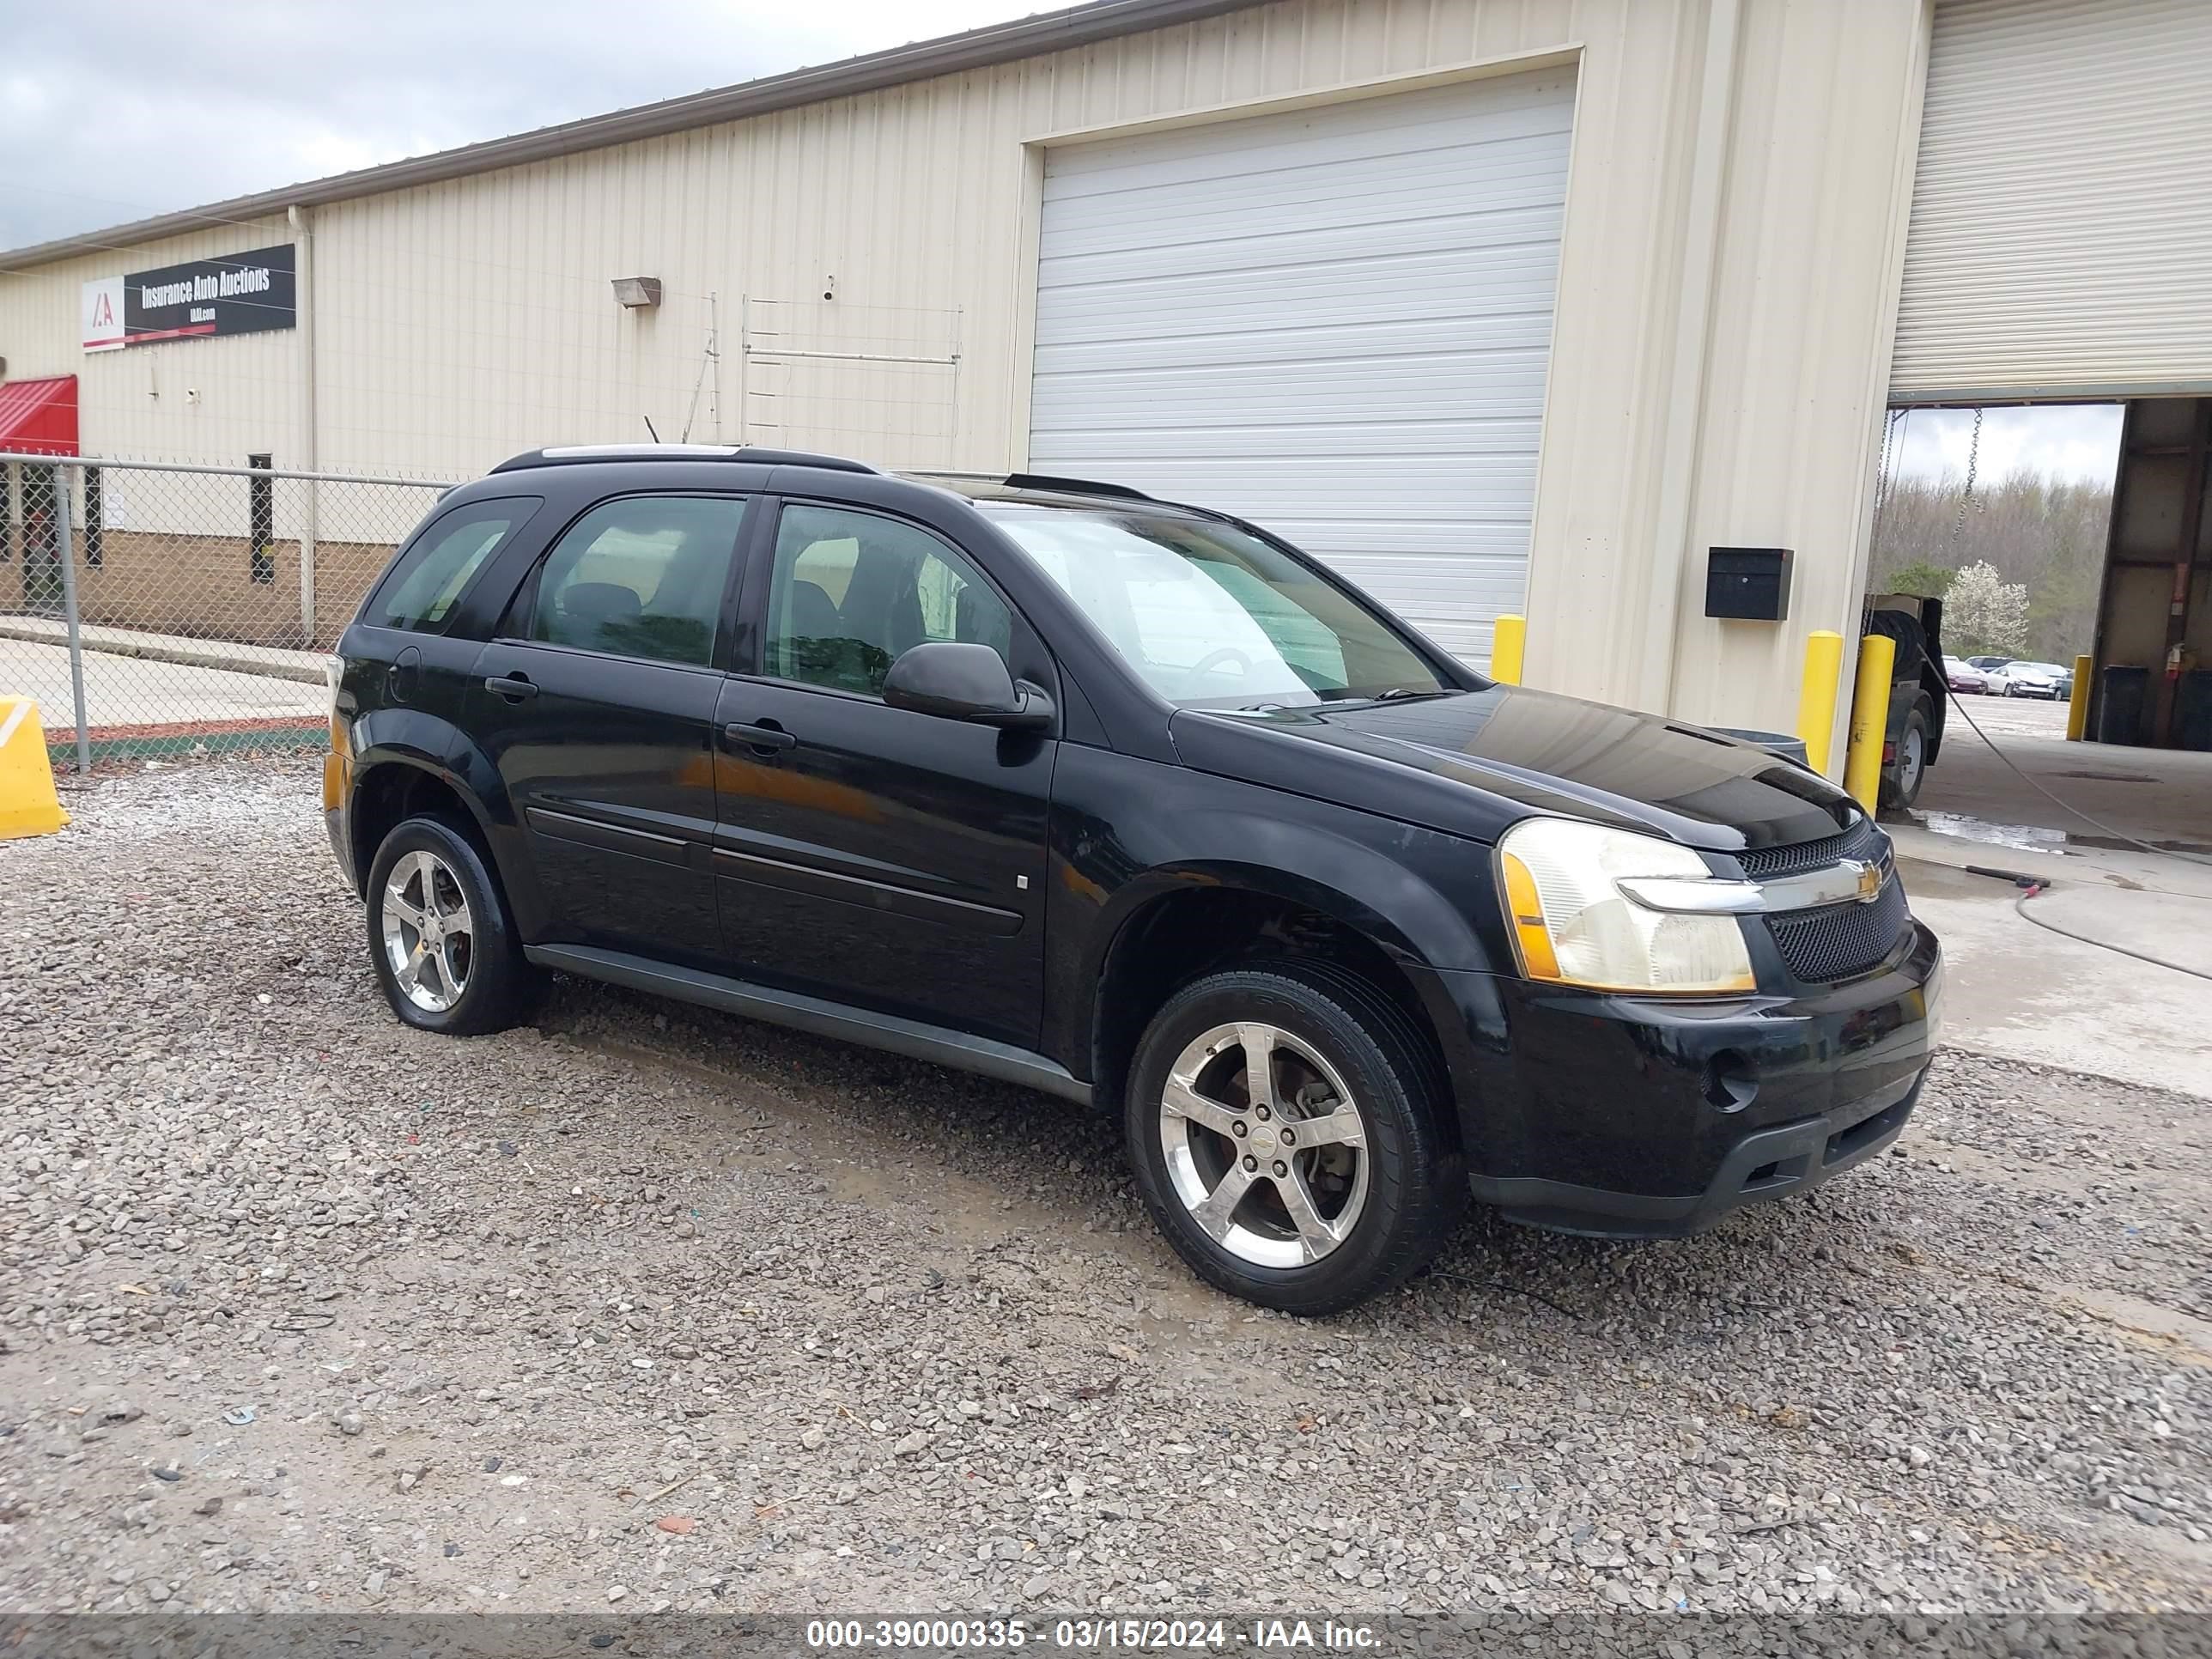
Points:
644	1307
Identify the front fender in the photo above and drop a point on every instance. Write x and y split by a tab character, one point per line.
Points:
1399	907
1130	834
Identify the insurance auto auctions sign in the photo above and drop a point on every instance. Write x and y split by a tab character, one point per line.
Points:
241	293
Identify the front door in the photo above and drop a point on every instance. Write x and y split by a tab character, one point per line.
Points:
597	705
866	854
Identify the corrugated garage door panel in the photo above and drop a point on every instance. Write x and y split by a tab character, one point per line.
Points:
2061	239
1334	322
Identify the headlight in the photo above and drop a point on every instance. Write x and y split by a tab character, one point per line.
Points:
1568	888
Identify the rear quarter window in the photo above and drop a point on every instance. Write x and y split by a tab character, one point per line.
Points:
427	583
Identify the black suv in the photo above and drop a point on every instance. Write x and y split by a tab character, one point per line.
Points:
1132	802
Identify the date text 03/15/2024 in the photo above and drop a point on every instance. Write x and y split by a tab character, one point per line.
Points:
1092	1635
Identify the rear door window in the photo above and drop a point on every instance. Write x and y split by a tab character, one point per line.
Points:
641	576
427	585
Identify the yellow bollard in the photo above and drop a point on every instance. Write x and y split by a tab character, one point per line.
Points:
1508	644
1869	719
28	806
1816	701
2077	706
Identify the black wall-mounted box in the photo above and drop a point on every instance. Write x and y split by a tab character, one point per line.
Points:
1750	583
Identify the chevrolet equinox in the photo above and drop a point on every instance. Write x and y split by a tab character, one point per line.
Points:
1132	802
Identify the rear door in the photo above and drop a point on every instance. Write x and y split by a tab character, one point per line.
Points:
868	853
415	621
596	703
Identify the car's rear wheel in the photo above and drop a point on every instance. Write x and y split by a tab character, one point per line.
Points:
440	935
1284	1125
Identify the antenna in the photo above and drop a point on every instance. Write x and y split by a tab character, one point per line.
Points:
648	427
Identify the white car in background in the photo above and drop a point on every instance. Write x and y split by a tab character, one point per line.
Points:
2033	679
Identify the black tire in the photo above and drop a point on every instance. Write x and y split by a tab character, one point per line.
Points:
1900	783
1415	1179
496	983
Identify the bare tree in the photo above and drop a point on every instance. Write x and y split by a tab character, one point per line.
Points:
2044	534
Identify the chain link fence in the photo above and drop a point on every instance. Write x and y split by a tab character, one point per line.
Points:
158	609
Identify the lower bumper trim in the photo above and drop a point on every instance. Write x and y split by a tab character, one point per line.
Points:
1767	1164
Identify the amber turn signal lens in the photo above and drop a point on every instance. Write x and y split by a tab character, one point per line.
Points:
1538	961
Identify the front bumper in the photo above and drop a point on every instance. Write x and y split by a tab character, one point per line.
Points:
1765	1163
1639	1117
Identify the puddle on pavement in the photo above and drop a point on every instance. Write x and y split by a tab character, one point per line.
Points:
2033	838
2025	837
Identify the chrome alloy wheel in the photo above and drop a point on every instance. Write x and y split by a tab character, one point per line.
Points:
1265	1146
429	934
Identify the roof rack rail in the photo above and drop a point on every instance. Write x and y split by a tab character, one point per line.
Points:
762	457
1072	486
570	454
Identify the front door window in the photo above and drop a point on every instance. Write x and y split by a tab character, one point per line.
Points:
851	590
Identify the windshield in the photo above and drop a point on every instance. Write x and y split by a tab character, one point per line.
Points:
2037	668
1211	618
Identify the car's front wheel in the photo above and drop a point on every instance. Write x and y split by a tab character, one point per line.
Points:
439	936
1285	1126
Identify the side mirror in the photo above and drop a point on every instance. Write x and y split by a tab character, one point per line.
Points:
961	682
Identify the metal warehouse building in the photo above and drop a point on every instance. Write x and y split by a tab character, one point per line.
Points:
1499	305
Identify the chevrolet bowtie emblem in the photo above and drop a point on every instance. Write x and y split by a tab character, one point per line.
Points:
1869	882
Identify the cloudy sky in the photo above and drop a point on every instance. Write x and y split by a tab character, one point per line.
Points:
2076	442
114	110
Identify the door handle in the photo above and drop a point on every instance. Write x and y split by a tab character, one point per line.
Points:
514	687
769	738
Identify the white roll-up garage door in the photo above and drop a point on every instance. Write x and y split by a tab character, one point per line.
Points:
1333	322
2061	244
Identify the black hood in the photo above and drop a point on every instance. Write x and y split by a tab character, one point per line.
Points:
1473	762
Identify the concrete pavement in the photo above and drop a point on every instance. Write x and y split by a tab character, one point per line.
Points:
137	691
2020	990
1976	809
186	648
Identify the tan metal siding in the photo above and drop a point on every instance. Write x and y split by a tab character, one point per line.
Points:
2061	245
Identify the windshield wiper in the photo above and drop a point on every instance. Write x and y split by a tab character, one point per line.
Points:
1406	694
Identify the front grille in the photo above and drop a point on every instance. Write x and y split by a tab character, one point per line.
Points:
1862	840
1838	940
